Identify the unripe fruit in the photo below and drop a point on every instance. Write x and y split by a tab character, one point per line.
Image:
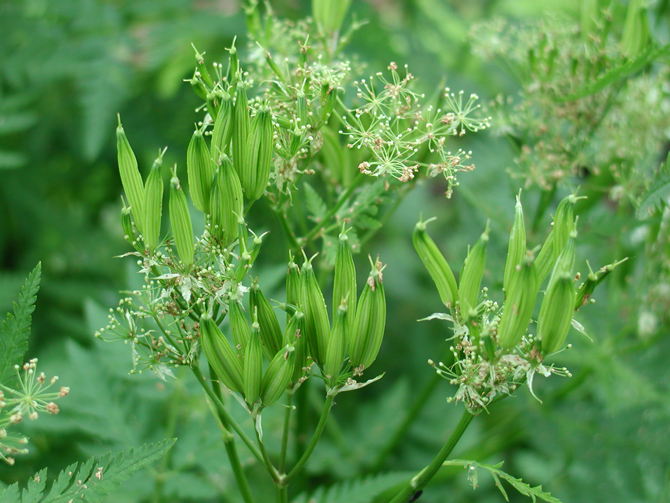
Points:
180	221
471	276
201	168
153	204
221	355
131	179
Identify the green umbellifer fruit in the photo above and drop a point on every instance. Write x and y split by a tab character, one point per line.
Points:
344	282
517	245
253	366
592	281
519	304
153	204
126	222
226	204
180	221
239	326
221	355
241	138
471	277
278	375
337	345
369	322
271	334
201	168
317	325
223	126
294	336
259	155
545	259
564	224
435	263
131	179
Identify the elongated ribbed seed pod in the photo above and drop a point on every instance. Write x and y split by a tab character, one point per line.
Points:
253	366
516	248
328	100
435	263
344	282
564	224
519	304
241	125
180	221
226	203
223	126
202	68
239	326
294	336
201	168
317	325
337	345
127	222
471	277
271	334
221	355
278	375
370	321
153	204
293	283
592	281
131	179
233	62
544	262
197	85
259	154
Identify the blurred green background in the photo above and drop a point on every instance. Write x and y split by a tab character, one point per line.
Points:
68	66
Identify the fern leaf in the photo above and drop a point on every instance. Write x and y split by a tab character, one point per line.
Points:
16	328
358	490
92	481
534	493
315	204
658	194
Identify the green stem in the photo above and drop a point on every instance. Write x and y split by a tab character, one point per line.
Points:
285	434
315	439
286	227
223	413
423	477
266	458
282	494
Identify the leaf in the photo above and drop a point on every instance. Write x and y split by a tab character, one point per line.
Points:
315	204
658	193
15	329
355	491
91	481
525	489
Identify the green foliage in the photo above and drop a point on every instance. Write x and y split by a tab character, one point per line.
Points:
658	194
361	490
90	481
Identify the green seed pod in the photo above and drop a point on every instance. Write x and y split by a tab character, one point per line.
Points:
369	322
259	154
273	66
545	259
221	355
517	245
198	86
241	125
239	326
202	68
233	62
201	168
278	376
471	277
317	326
253	365
180	221
519	304
294	336
131	179
293	286
593	280
271	334
328	100
344	282
153	203
564	224
226	203
435	263
126	222
556	314
247	258
337	345
223	126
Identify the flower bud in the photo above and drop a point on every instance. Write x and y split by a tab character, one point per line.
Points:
131	179
253	365
471	276
223	126
519	303
201	168
370	321
241	125
337	344
278	375
271	335
226	203
153	204
435	263
344	282
239	326
517	245
259	155
317	325
221	355
180	221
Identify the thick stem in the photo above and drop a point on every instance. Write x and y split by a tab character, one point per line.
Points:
223	413
423	477
315	439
